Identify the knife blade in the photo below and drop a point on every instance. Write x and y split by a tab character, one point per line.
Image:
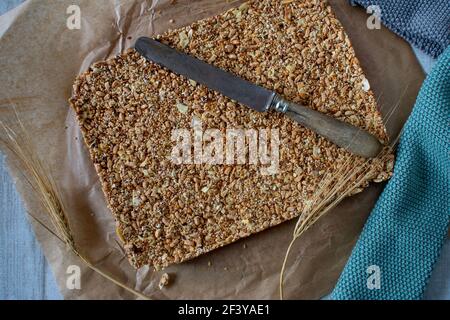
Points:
229	85
258	98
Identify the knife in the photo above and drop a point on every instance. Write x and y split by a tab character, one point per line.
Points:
344	135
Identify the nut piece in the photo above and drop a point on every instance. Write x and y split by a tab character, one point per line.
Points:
164	281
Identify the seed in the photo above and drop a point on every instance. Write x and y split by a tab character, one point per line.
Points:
229	48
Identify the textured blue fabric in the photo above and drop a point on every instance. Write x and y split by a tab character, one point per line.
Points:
406	230
423	23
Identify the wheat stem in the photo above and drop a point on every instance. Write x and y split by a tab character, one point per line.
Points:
332	189
18	142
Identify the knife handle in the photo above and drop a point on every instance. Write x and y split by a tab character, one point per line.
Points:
344	135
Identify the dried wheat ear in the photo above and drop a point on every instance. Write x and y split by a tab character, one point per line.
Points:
128	107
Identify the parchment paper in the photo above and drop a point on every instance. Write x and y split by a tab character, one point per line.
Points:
39	59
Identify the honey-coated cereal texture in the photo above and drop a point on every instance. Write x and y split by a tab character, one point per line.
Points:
128	108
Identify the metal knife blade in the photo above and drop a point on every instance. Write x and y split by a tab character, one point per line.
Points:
234	87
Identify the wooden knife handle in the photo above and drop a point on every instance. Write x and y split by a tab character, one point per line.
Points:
344	135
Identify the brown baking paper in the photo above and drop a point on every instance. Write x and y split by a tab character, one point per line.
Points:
39	60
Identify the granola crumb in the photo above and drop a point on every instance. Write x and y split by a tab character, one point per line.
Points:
164	281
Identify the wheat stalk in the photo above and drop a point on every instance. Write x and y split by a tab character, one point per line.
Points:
39	178
333	188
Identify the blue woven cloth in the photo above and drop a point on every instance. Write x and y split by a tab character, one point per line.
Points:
423	23
403	236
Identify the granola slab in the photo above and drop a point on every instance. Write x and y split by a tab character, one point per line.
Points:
128	109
